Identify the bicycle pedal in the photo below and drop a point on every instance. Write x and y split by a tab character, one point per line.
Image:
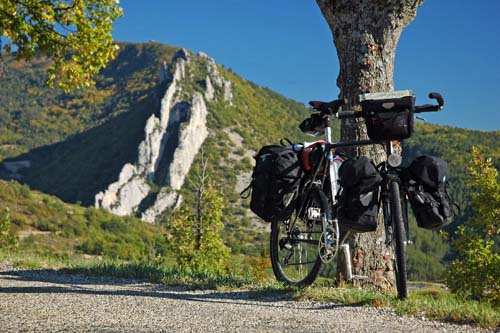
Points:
408	242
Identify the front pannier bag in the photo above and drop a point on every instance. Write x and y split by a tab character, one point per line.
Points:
358	199
427	190
389	116
275	183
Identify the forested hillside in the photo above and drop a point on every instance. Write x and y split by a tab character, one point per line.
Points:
32	115
77	143
45	225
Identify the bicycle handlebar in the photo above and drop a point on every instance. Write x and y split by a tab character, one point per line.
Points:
349	114
417	109
431	107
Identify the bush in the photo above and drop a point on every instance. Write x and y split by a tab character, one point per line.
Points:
7	241
196	241
476	273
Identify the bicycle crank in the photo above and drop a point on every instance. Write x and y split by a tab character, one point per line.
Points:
328	245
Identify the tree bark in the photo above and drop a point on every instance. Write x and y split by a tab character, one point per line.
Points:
200	205
366	33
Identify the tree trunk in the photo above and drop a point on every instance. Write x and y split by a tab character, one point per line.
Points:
200	205
366	33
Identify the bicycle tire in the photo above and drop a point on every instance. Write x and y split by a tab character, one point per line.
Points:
284	247
398	241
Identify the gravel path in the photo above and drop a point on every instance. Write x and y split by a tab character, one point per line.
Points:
47	301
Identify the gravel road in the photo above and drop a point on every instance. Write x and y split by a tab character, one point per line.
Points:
47	301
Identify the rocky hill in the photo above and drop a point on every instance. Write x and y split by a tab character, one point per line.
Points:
134	143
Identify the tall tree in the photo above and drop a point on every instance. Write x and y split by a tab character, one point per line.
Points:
74	34
366	33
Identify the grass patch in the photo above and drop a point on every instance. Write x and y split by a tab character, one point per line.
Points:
156	273
20	260
433	303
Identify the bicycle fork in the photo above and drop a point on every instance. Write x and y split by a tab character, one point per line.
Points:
388	221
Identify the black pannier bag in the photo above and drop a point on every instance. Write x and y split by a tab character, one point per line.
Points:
358	198
275	183
431	203
389	116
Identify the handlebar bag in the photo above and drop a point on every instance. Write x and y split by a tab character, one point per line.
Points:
358	198
275	183
427	183
390	118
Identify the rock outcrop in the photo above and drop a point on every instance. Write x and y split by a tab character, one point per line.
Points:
171	141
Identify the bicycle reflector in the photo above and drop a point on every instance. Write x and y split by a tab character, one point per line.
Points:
394	160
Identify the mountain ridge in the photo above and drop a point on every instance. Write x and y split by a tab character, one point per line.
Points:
113	115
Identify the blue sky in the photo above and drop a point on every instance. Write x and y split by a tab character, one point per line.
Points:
451	47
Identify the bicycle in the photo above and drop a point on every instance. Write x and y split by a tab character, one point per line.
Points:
301	245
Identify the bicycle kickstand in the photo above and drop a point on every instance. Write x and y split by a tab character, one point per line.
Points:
347	257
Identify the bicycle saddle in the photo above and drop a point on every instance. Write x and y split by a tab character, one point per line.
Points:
327	107
318	104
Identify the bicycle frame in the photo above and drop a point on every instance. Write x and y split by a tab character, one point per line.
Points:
390	174
322	185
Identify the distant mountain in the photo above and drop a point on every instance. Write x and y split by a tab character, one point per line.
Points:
133	144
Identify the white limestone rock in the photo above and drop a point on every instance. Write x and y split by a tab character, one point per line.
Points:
123	196
165	199
210	92
203	55
228	92
182	54
189	116
164	73
191	138
223	85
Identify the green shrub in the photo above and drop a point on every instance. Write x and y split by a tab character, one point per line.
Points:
7	241
196	240
477	272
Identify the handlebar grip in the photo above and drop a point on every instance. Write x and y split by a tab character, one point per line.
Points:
438	97
431	107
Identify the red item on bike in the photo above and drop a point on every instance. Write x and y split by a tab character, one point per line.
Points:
311	155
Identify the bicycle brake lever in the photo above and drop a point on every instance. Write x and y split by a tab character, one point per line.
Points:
421	118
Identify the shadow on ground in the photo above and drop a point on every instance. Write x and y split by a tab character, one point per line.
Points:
55	282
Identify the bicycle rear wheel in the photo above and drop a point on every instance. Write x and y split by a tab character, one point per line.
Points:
398	243
295	246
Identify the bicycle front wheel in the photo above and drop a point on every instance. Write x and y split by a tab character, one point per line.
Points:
295	246
398	243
